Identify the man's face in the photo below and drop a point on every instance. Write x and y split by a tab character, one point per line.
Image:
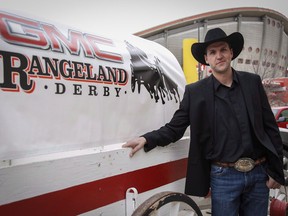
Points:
219	56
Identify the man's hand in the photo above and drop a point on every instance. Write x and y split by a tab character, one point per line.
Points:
136	144
272	184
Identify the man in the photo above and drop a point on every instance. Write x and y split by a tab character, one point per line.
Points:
235	145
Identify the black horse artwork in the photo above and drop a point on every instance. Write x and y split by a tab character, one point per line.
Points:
151	75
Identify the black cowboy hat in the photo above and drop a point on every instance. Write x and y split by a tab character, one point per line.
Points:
235	40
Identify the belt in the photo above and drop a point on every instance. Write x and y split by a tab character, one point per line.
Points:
242	164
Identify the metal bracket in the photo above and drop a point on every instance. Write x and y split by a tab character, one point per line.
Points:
131	200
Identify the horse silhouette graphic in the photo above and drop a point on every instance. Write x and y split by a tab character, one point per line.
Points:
150	73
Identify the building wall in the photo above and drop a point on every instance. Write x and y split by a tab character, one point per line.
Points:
266	42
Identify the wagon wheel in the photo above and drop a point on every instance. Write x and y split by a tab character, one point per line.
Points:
167	203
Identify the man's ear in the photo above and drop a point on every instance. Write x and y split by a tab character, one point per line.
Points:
205	57
232	53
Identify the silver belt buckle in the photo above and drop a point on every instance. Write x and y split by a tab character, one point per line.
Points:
244	164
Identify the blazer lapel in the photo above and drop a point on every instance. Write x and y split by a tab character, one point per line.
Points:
209	97
247	92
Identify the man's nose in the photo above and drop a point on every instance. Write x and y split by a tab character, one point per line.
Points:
219	55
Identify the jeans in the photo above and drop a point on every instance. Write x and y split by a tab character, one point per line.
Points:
236	193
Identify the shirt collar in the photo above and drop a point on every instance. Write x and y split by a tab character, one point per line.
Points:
216	83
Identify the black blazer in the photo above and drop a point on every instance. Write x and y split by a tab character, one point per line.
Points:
197	111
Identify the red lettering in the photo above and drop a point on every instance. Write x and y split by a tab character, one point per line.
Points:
22	31
104	55
26	32
73	44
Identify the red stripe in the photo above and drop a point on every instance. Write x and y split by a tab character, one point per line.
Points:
86	197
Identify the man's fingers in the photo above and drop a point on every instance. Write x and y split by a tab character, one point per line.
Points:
133	151
135	148
272	184
130	144
135	144
126	145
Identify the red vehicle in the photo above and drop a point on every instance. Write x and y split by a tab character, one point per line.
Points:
281	116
